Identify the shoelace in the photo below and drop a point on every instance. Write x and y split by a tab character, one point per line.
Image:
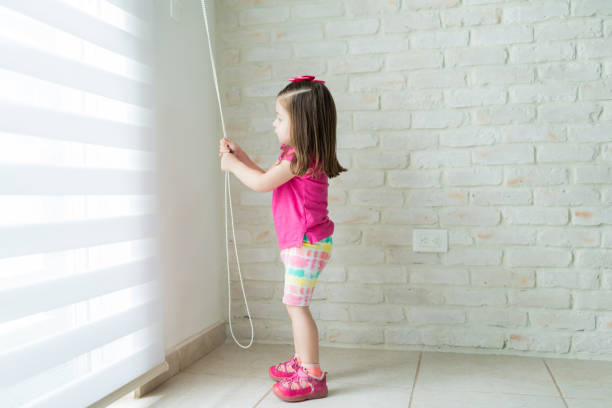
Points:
292	362
297	378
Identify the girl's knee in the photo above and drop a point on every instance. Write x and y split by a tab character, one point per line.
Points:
297	310
291	308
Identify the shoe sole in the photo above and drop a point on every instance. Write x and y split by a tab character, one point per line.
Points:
303	397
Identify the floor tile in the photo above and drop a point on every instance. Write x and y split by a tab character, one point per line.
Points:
427	398
588	403
234	377
350	395
485	373
231	360
377	367
586	379
187	390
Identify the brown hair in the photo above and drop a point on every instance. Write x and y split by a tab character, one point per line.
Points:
312	112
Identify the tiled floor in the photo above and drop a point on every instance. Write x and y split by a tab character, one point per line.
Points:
233	377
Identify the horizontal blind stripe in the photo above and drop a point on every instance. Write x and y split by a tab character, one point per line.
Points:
142	9
97	385
54	293
22	179
16	118
60	70
38	356
101	92
86	27
31	239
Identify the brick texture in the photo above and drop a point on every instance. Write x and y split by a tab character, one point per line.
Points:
491	119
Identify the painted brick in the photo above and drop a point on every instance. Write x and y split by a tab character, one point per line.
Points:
428	160
503	154
534	256
567	278
382	120
591	7
502	279
321	49
522	54
413	178
490	119
413	59
531	13
535	176
470	216
461	98
568	30
434	198
417	99
536	216
370	7
569	71
539	93
404	23
439	39
352	27
500	197
505	236
566	196
355	64
460	57
565	153
474	297
469	256
492	35
315	11
377	274
437	119
473	176
430	315
471	16
502	75
549	298
264	15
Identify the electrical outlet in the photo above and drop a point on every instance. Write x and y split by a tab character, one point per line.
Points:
429	240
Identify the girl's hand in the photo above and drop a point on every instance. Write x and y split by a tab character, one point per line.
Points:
229	146
228	160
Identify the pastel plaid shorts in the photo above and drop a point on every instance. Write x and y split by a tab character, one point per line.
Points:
302	268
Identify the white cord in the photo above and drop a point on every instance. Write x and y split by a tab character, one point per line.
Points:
226	195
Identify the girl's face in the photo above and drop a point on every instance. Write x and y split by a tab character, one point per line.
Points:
282	124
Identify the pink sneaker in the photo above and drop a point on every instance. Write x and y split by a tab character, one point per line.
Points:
301	386
283	370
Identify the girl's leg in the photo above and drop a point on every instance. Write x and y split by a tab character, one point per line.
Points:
314	383
296	338
305	333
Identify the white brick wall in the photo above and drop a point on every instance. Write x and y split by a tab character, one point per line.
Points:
489	118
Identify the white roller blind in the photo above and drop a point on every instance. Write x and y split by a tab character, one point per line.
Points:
80	312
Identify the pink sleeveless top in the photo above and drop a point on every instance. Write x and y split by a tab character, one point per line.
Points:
300	207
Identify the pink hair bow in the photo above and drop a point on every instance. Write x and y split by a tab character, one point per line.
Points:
309	78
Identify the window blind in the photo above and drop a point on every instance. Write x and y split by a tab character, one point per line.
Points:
80	296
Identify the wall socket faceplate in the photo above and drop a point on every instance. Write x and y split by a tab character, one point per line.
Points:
430	240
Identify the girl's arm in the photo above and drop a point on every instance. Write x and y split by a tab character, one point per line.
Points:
243	157
227	145
260	181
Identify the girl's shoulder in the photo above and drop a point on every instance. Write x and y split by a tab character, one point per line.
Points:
315	170
287	153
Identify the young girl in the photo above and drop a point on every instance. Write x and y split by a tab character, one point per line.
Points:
306	129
